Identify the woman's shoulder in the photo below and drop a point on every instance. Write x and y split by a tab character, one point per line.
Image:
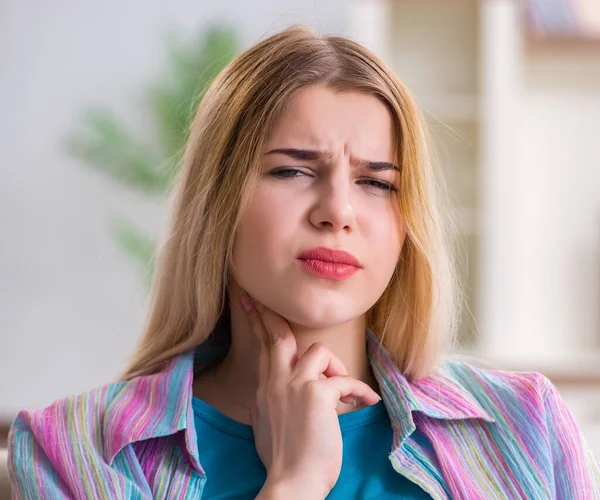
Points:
469	371
70	444
84	409
529	409
64	427
499	391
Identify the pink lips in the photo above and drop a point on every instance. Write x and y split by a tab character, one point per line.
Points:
329	263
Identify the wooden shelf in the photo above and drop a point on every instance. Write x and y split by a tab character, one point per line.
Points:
542	43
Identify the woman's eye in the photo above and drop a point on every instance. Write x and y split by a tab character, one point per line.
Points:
287	173
384	186
292	173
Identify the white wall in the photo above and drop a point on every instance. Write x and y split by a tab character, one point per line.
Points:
560	237
540	198
71	305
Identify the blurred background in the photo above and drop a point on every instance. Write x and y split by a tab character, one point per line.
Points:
95	99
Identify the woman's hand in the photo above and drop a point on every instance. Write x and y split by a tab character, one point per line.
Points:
295	422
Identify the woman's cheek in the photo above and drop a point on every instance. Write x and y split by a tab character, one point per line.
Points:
387	243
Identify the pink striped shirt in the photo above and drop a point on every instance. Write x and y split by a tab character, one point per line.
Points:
493	435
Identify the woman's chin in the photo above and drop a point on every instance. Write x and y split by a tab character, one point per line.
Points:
320	316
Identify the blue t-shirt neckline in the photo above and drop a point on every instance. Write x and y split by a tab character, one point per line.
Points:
222	422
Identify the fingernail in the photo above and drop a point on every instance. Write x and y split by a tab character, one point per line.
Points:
246	304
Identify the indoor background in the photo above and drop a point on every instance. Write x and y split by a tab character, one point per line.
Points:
95	98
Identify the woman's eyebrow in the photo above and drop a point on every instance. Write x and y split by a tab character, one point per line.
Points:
312	155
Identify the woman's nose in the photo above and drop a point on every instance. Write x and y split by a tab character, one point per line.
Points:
334	209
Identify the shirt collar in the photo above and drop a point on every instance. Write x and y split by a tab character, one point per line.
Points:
160	404
151	406
437	395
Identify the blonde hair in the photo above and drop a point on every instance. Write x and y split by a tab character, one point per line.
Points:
416	316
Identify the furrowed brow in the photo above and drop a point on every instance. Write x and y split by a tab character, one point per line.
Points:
312	155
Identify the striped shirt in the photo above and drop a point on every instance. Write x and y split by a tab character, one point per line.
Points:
491	435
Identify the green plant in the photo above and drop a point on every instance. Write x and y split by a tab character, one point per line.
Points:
148	163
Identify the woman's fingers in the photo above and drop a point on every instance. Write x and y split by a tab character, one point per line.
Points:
317	360
347	387
279	356
277	341
294	418
283	346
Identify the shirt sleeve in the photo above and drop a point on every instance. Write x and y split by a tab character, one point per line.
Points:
32	475
576	469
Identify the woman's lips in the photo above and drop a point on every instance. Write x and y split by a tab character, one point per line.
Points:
327	254
328	270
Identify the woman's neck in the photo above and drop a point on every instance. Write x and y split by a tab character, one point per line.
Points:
231	387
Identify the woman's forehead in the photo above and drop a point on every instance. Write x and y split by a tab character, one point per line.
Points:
333	122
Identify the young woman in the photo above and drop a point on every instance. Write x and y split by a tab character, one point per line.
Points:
301	310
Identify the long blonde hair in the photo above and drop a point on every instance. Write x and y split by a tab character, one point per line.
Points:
416	316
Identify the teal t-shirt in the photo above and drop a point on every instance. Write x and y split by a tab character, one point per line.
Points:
234	470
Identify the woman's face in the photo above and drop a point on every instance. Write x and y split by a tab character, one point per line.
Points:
316	191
